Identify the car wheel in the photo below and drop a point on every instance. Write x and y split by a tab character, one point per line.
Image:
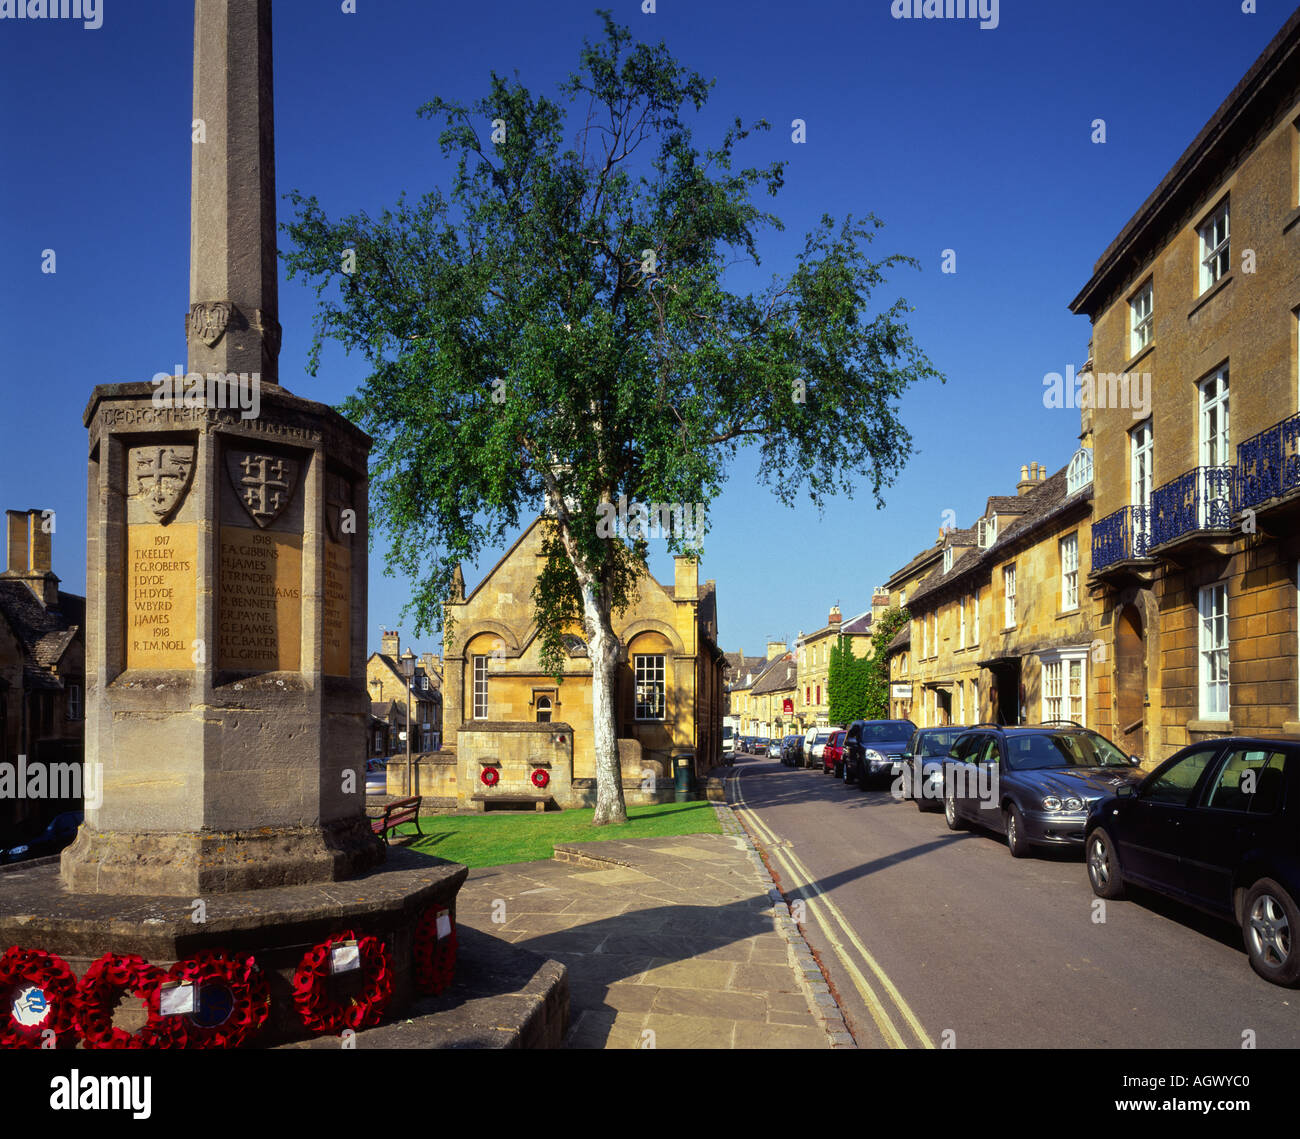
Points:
1271	923
1015	823
955	821
1103	866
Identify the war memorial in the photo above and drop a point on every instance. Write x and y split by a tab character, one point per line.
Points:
229	879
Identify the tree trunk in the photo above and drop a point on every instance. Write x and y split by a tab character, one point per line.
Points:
603	651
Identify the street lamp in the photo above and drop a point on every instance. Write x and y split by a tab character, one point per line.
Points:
408	671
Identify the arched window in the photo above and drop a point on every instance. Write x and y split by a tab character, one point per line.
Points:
1080	473
543	709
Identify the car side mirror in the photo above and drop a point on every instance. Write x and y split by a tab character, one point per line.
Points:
1135	760
1126	791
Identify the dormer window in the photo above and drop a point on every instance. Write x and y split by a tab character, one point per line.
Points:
1080	473
947	559
986	531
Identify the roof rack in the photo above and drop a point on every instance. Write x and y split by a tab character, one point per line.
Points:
1045	723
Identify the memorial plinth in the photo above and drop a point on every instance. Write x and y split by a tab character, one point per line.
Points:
225	627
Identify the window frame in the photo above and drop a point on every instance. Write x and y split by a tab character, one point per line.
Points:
1207	688
1141	318
1069	572
1009	596
1215	260
1064	660
479	664
640	680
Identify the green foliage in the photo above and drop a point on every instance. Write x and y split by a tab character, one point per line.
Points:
847	684
504	837
556	327
877	686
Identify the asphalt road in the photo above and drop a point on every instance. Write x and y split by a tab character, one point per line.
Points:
925	932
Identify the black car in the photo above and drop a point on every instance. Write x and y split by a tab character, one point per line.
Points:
788	749
796	752
60	833
873	750
1034	784
1216	826
922	775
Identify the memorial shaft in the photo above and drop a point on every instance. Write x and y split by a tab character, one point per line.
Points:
233	323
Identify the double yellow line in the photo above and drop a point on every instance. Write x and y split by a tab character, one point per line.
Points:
798	877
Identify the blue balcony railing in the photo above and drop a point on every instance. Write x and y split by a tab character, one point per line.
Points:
1121	537
1268	464
1200	499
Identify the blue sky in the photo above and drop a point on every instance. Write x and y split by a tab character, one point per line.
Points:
957	137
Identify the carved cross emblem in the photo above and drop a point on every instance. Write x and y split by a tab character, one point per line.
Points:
264	483
209	320
161	476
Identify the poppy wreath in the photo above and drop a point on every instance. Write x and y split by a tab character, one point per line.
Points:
250	997
97	996
21	968
490	776
435	958
541	777
323	1013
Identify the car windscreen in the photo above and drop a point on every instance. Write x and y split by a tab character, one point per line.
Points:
937	743
887	731
1040	751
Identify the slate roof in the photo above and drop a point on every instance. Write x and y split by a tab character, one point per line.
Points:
777	677
44	633
857	625
902	638
1045	502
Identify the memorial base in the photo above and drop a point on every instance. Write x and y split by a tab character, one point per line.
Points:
276	927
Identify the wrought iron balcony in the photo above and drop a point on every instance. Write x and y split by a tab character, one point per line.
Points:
1268	464
1121	537
1200	499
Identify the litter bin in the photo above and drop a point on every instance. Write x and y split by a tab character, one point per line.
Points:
684	782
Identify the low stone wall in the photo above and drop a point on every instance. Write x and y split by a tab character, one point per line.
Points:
436	779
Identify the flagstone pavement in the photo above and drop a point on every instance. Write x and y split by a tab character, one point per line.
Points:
669	943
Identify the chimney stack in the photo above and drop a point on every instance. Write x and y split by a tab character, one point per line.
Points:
390	644
775	649
835	617
1028	479
30	552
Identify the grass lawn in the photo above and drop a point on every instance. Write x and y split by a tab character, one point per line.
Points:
524	836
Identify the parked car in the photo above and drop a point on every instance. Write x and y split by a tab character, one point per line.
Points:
773	749
805	751
795	758
1034	784
873	750
377	776
728	740
61	832
922	770
814	752
1216	826
833	755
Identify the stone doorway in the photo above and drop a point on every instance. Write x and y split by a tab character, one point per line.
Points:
1130	682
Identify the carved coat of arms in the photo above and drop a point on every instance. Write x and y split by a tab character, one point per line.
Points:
209	320
160	476
264	483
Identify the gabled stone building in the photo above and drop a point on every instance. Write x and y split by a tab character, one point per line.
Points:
42	668
1002	630
386	684
507	716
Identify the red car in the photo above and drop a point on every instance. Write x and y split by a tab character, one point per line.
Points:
833	755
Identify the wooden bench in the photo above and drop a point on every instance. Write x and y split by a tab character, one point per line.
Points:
539	801
396	813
